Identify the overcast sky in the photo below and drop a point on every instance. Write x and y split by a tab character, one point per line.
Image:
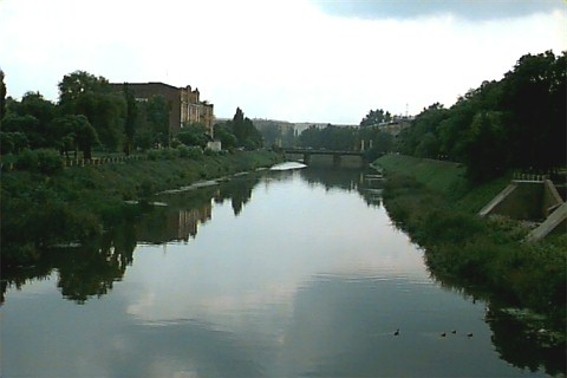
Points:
294	60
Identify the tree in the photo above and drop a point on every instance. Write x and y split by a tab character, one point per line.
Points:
74	132
223	132
86	136
12	142
238	125
246	134
32	105
130	120
91	96
487	152
76	84
375	117
28	125
157	114
194	135
535	93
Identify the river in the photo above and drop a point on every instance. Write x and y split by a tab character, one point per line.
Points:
281	273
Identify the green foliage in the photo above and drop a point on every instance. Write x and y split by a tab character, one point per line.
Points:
78	203
190	152
461	246
44	161
130	120
243	129
224	133
156	110
74	132
84	94
27	160
375	117
487	155
517	122
194	135
25	124
12	142
330	137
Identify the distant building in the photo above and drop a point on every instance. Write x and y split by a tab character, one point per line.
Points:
185	105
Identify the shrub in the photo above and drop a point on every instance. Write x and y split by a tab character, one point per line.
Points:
153	155
26	161
209	152
49	161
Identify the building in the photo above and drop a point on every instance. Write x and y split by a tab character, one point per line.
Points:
185	105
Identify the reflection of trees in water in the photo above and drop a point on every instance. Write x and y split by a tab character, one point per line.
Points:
91	269
17	277
84	271
346	179
524	344
238	190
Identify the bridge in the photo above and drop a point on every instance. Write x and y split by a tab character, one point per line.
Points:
333	158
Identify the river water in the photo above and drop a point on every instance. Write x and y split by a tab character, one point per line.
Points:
283	273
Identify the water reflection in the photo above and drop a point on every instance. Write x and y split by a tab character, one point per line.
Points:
89	270
291	273
364	182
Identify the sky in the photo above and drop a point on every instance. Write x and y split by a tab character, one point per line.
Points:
294	60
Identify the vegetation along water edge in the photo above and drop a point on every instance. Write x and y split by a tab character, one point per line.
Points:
437	206
77	204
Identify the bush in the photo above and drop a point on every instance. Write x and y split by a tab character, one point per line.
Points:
209	152
27	161
49	161
153	155
45	161
190	152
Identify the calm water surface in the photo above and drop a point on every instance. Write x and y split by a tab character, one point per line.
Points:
285	274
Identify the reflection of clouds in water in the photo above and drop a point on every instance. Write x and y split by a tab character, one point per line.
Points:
255	296
249	270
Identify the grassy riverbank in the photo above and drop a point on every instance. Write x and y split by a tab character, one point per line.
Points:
436	205
78	203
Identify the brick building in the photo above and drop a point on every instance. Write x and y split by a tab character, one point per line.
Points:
185	105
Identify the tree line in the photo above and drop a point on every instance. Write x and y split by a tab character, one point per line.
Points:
518	122
92	116
369	138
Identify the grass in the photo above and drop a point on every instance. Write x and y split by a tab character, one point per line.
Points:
446	178
434	203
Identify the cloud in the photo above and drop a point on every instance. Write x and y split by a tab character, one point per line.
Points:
466	9
294	60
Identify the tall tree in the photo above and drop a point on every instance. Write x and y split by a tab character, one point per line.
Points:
74	132
157	114
535	93
77	83
246	134
238	125
91	96
130	120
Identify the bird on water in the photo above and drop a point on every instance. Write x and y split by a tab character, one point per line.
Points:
397	332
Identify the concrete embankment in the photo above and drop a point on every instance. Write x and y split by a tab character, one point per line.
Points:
531	200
